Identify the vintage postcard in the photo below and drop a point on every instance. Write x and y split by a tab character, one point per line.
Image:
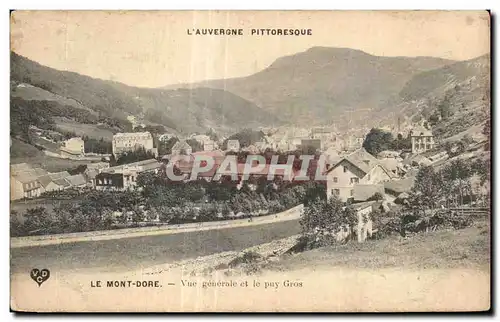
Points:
250	161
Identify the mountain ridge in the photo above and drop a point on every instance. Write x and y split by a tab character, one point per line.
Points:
181	110
323	84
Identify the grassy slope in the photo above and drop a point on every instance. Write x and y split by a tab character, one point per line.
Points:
90	130
466	84
466	248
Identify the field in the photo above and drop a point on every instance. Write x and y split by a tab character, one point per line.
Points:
90	130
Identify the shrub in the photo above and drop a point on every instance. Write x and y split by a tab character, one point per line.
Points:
321	221
248	257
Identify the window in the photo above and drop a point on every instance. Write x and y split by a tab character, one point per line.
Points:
345	169
336	192
335	179
368	177
352	192
354	180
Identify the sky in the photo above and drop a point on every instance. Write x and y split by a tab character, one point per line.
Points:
153	48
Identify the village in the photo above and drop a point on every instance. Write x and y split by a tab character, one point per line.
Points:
350	174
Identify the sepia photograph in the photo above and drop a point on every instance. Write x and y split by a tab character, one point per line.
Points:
250	161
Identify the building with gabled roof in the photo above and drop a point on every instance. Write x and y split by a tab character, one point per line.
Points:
359	167
24	181
181	148
422	140
124	176
54	181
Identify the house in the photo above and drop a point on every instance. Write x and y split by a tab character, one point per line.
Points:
359	167
394	166
54	181
124	176
24	181
24	185
233	145
364	226
421	140
93	169
124	142
181	148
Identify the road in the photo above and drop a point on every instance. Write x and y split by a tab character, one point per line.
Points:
140	252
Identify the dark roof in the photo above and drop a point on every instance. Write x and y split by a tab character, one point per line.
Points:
61	182
45	180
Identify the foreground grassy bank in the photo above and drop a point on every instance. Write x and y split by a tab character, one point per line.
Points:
463	248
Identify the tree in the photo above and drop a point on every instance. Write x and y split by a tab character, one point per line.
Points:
457	175
37	220
482	168
165	147
195	145
376	196
322	220
444	108
377	141
137	214
427	190
140	154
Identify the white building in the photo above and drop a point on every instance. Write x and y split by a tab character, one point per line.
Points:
123	142
73	147
421	140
